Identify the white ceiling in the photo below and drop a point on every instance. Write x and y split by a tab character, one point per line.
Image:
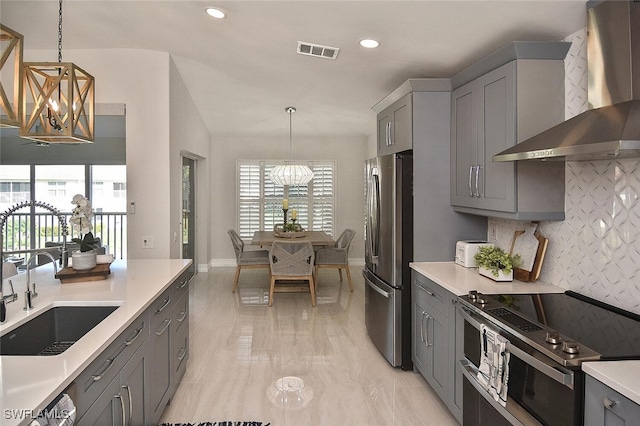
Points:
244	70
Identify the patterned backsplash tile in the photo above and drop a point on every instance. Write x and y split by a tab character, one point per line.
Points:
596	249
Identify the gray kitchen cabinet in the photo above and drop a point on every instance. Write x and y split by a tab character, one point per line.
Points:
394	127
123	400
168	345
493	112
607	407
433	331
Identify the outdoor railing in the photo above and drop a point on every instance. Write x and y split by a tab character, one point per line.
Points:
110	227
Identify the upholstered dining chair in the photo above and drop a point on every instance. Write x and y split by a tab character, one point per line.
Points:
336	257
291	261
248	258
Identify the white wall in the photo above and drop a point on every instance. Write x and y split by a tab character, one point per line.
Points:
189	137
349	155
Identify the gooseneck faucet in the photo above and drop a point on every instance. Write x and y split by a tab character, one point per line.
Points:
64	253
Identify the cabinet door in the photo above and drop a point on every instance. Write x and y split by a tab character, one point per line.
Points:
497	132
464	145
385	123
605	407
108	409
132	381
159	378
420	348
402	135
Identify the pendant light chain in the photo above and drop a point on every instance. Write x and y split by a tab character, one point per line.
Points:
60	33
290	110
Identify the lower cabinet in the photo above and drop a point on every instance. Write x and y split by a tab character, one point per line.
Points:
434	343
133	380
123	400
605	406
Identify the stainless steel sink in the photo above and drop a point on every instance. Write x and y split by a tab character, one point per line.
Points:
53	331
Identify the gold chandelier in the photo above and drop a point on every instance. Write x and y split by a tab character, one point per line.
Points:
58	100
291	174
11	44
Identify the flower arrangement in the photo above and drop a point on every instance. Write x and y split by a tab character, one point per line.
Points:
81	223
496	260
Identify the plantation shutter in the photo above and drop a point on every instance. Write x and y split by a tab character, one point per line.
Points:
248	199
322	197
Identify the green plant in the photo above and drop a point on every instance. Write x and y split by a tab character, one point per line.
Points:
495	259
292	227
87	243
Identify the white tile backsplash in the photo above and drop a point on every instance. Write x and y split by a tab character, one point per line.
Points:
596	249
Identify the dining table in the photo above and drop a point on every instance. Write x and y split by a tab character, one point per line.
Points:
317	238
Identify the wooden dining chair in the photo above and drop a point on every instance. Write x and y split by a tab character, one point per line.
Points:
291	261
248	258
336	257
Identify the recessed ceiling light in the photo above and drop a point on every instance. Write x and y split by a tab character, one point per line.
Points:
216	13
369	43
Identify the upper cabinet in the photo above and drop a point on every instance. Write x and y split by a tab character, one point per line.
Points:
493	111
397	115
394	127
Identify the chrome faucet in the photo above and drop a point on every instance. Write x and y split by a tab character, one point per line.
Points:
64	253
29	295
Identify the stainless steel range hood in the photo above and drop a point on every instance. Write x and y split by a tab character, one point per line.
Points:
611	129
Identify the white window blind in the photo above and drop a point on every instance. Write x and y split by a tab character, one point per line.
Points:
260	200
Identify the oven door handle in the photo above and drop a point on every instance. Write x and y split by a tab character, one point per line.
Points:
513	412
545	367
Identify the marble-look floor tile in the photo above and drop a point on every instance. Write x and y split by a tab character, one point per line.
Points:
292	364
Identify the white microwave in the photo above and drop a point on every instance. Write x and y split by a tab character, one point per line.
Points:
466	250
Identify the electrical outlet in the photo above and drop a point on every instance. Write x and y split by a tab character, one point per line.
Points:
147	242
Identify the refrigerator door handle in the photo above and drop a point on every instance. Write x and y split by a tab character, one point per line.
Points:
378	290
373	227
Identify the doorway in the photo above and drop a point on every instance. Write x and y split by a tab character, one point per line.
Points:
189	211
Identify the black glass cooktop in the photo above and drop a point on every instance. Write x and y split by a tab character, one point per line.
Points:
610	331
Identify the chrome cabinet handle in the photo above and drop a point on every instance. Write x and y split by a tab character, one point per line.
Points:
428	292
129	342
608	404
183	353
100	375
422	339
426	330
182	284
160	332
478	167
124	413
130	403
184	315
470	180
164	305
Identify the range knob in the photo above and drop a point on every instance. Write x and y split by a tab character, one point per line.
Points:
481	299
553	337
570	347
473	295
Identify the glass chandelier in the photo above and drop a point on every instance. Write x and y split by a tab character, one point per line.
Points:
291	174
58	100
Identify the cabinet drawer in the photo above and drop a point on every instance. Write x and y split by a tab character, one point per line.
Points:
95	378
181	284
160	309
431	292
605	406
180	350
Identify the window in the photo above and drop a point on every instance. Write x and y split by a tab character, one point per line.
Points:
260	200
56	189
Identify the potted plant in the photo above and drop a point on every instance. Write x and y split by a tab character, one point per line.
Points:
85	258
495	263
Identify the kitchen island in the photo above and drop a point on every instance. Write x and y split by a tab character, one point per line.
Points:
29	383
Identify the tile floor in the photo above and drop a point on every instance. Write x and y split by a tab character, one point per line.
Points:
331	373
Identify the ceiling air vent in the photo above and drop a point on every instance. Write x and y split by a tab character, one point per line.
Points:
318	50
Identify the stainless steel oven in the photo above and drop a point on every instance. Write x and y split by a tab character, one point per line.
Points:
548	337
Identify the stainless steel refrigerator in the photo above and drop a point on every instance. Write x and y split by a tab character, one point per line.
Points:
388	251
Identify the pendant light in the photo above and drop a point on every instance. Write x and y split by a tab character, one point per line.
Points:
291	174
11	75
58	100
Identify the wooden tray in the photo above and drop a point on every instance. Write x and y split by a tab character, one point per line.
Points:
70	275
524	275
297	234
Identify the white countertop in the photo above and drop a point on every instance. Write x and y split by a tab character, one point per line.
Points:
32	382
459	280
621	376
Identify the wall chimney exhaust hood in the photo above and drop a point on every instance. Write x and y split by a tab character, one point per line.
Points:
611	129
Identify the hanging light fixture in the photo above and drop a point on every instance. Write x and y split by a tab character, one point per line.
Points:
61	100
11	75
291	174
